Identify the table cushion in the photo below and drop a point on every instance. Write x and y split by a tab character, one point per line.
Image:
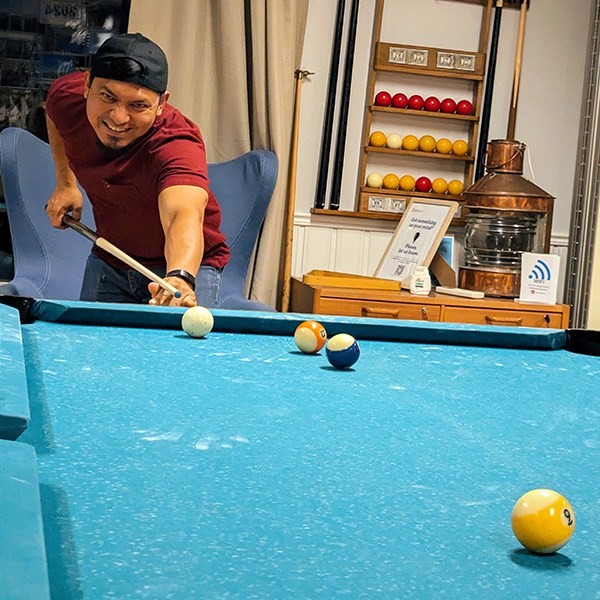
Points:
23	569
14	400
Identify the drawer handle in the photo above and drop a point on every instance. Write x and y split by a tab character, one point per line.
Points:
387	313
508	320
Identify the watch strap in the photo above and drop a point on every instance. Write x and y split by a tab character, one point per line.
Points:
185	275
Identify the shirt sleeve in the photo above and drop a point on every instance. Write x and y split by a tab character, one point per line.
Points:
181	161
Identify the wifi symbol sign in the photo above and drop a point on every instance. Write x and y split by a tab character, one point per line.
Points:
540	271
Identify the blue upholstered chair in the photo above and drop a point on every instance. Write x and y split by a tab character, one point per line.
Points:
49	263
244	187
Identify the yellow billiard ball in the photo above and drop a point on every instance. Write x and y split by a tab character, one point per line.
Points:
378	139
543	521
410	142
391	181
439	185
455	187
407	183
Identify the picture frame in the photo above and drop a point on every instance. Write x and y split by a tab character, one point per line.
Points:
416	238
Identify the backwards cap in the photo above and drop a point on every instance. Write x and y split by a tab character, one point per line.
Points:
152	60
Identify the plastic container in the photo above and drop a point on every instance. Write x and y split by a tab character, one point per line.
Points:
420	281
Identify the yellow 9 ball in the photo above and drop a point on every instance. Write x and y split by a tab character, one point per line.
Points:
543	521
391	181
377	139
455	187
427	143
394	141
374	180
310	337
407	183
439	185
460	148
410	142
444	146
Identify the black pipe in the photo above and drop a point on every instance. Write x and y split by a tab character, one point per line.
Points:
484	130
340	149
330	107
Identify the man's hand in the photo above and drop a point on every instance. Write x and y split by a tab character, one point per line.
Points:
160	296
64	200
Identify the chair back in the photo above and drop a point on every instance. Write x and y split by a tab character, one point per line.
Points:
48	262
244	188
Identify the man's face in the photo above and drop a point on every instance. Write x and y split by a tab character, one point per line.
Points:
119	112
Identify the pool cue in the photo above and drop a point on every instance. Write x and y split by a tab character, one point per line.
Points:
111	249
489	91
330	107
291	201
512	115
340	148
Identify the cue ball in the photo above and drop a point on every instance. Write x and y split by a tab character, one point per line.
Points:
197	321
342	351
310	337
543	521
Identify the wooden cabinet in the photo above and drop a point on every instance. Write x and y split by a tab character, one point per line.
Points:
386	304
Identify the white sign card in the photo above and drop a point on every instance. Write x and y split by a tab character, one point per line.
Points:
539	278
416	239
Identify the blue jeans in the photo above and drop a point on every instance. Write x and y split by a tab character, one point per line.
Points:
103	283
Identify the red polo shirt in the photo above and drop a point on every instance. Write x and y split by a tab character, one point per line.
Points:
123	188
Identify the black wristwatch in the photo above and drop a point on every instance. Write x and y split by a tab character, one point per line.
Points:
187	277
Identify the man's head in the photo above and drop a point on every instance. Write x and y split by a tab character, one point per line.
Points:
126	89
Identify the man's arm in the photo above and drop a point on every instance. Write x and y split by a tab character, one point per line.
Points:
66	196
181	210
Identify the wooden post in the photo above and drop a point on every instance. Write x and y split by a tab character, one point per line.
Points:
512	115
291	199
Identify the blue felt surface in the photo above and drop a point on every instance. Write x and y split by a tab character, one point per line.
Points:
23	571
14	402
236	467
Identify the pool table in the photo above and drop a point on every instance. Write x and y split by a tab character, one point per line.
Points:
148	464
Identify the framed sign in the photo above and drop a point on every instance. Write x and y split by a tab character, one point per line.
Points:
416	238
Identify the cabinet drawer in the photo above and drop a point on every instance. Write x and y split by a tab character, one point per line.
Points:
486	316
379	310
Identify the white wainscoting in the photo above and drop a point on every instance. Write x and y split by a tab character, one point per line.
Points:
355	246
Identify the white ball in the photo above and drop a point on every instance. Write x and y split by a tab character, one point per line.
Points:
197	321
374	180
394	141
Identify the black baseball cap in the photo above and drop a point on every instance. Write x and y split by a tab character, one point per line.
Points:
148	55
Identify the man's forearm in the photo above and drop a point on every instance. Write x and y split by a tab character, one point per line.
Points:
182	216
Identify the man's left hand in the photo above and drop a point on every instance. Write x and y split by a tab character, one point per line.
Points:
160	296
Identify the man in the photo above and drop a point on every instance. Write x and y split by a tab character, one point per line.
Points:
143	166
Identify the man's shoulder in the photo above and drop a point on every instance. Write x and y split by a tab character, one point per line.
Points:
72	83
173	123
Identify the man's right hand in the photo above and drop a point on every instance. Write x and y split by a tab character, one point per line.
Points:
64	200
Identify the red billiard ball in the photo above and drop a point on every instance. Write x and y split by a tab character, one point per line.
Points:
383	99
423	184
448	105
464	107
399	100
432	104
416	102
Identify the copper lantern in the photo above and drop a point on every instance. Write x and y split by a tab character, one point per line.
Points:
506	215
